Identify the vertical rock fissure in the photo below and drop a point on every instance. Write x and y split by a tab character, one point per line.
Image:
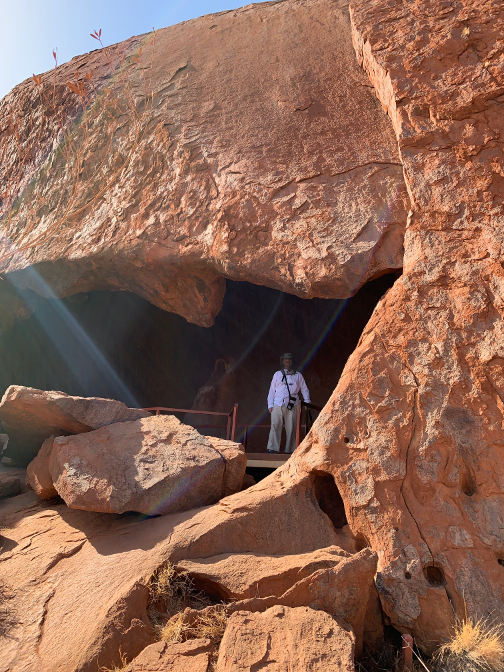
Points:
413	436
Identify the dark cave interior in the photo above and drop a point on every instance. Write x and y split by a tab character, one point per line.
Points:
117	345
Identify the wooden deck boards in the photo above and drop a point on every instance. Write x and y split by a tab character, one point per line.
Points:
266	460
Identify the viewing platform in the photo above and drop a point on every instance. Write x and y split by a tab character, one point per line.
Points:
258	460
267	460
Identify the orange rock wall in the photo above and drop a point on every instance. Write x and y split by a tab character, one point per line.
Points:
414	432
267	159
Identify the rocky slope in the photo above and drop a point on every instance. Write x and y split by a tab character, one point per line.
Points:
412	436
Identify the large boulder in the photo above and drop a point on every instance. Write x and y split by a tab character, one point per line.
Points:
286	640
38	475
30	416
267	159
154	465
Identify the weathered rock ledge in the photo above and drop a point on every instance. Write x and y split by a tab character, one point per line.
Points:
267	159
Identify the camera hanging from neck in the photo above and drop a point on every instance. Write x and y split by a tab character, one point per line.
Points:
292	400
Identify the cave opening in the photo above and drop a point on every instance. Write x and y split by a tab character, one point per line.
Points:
118	345
329	498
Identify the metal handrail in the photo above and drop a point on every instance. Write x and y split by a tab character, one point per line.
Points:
231	426
298	419
299	424
184	410
231	416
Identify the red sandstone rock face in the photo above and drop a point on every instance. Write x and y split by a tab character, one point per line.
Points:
268	160
413	433
286	640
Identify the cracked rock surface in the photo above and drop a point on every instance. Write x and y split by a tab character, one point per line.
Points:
414	432
268	159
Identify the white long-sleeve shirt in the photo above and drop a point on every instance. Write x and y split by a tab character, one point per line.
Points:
279	394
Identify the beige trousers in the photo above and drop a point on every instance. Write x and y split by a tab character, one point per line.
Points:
281	415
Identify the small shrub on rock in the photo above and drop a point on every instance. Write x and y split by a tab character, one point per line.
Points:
476	646
171	592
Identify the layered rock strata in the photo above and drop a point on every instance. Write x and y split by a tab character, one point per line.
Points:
238	577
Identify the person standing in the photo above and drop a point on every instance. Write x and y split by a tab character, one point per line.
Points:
282	402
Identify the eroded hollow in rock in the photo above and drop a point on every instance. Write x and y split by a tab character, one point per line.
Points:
468	484
117	345
329	498
434	575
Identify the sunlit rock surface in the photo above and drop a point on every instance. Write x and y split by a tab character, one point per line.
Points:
413	433
268	159
31	416
154	465
297	639
77	581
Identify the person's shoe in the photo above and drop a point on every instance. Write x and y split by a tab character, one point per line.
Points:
275	452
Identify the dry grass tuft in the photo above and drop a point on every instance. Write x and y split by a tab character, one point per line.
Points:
210	624
124	666
476	646
171	592
176	630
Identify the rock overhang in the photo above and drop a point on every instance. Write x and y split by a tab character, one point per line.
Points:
268	160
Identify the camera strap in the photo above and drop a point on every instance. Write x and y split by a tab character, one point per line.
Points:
284	376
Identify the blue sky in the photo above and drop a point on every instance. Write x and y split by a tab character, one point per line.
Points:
31	29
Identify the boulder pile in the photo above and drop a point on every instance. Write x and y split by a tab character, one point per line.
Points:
31	416
154	465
